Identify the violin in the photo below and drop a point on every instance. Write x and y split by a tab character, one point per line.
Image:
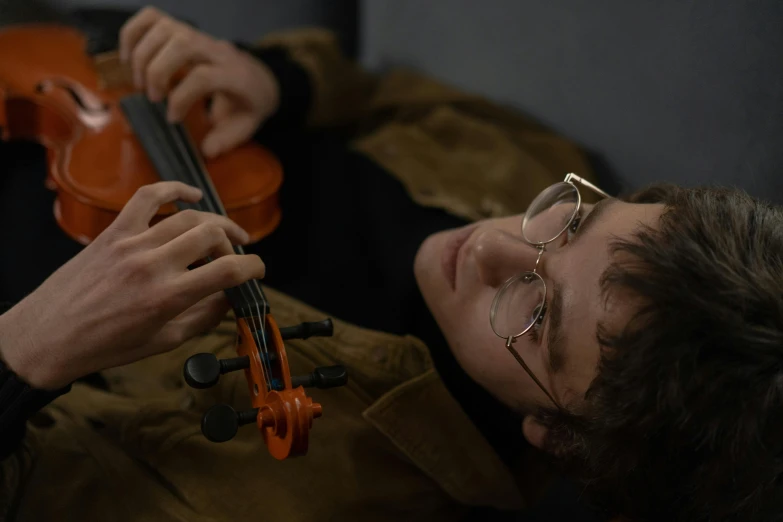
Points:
104	140
73	103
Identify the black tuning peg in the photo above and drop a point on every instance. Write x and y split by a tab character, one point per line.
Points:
204	369
305	330
324	377
221	422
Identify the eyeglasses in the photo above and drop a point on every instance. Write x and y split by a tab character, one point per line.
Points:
520	302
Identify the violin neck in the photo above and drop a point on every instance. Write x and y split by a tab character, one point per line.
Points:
170	149
175	158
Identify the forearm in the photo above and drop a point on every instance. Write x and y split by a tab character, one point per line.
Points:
295	90
18	402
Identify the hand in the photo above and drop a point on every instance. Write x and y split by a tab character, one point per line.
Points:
129	294
244	91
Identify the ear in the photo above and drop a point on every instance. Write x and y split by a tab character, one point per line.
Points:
534	432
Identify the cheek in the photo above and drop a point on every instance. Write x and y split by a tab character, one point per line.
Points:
463	317
464	322
465	325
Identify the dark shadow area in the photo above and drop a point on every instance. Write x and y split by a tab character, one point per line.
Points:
608	179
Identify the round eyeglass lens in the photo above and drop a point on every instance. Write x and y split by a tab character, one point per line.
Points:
550	213
518	305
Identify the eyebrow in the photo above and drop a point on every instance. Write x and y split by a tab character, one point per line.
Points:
588	222
556	334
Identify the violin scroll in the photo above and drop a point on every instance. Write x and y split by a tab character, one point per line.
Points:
282	411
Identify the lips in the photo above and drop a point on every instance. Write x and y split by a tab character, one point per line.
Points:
451	253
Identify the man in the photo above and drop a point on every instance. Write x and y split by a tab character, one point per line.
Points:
648	331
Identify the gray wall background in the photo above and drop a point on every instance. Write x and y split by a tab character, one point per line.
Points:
661	90
245	19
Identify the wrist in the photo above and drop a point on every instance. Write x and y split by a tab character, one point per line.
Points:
294	92
23	355
269	85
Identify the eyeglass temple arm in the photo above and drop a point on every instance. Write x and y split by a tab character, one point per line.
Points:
519	359
571	176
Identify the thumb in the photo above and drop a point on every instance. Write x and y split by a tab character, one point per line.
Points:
227	134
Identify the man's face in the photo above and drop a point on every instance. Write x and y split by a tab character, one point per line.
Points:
460	271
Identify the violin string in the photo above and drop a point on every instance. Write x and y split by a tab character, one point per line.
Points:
198	172
168	133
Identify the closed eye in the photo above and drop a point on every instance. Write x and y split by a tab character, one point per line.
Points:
574	227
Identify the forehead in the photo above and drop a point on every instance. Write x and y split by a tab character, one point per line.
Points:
579	268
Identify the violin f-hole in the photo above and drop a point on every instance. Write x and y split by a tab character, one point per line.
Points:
92	111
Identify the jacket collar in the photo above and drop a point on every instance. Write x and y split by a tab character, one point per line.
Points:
463	463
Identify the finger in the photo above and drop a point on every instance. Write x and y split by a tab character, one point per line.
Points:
176	225
200	82
182	48
220	274
205	240
228	134
150	45
202	317
145	203
220	108
216	300
133	30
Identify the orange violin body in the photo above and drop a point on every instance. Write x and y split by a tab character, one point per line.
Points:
54	93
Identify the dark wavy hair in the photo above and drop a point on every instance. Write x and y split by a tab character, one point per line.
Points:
684	421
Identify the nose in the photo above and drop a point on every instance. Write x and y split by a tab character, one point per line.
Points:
500	255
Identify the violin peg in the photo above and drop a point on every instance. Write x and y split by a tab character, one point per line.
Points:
221	422
323	328
204	369
323	377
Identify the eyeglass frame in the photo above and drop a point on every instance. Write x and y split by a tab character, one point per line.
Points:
570	179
